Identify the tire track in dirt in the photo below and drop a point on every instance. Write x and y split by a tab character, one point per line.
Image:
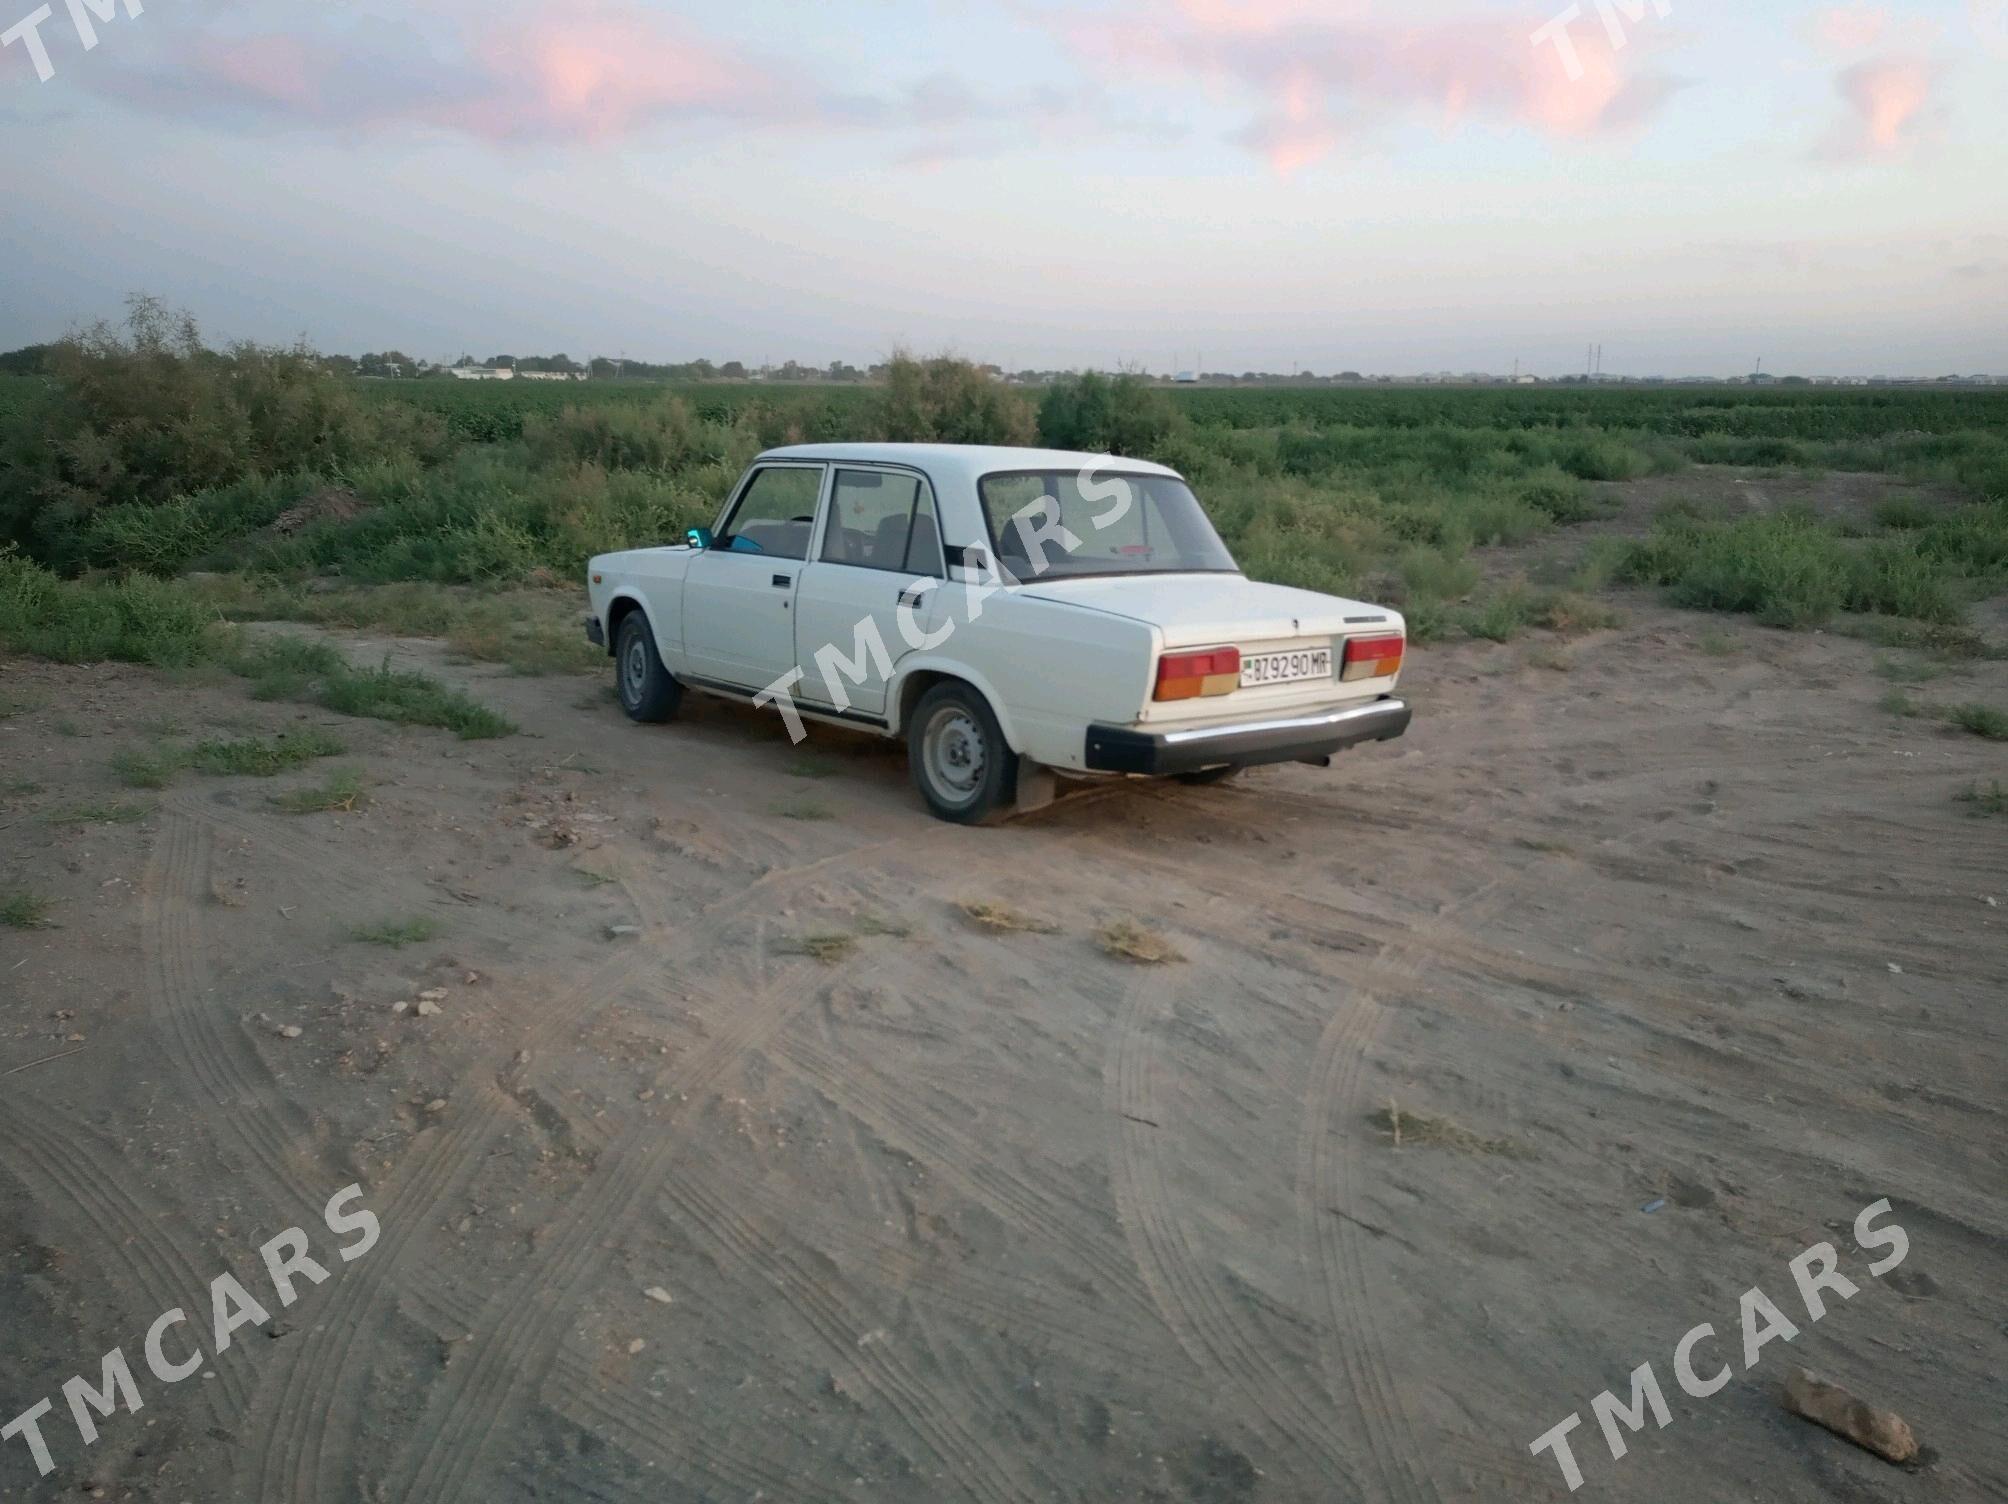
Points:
61	1163
329	868
580	1394
524	1324
322	1391
1001	1300
218	1057
323	1399
1327	1179
1212	1334
968	1163
821	1303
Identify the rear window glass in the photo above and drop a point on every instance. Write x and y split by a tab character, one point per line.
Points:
1056	522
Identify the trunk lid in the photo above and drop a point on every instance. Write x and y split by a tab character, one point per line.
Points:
1264	621
1200	610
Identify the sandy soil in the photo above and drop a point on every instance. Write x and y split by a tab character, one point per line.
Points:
1000	1217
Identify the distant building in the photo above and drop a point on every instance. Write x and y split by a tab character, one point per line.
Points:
485	373
549	375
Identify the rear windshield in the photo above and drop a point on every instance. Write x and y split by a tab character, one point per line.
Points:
1072	522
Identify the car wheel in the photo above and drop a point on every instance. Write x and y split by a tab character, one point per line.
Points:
648	693
962	765
1209	775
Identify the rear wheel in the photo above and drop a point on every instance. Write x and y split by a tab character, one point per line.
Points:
648	693
1209	775
962	765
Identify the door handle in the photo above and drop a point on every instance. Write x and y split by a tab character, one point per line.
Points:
783	581
913	595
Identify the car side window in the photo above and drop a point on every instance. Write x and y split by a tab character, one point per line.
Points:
776	514
882	520
923	545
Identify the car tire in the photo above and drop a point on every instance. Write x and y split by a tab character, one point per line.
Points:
648	693
1202	776
963	767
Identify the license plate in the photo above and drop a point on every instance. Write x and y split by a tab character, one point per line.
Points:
1285	668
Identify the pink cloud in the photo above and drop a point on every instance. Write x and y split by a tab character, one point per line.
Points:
1302	66
1849	28
1888	99
507	73
600	75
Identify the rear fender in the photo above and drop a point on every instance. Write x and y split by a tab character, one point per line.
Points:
932	663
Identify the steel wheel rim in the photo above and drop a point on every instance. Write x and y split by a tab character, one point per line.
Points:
634	669
955	754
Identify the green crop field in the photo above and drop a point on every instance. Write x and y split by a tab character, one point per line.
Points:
136	456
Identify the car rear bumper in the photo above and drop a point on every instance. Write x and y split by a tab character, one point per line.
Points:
1301	738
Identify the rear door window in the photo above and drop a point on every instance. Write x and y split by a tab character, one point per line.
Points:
881	519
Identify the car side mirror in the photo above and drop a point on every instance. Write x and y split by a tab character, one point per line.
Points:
698	537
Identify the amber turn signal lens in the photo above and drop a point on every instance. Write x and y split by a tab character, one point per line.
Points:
1377	657
1188	676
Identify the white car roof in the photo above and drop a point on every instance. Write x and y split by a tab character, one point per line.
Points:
963	464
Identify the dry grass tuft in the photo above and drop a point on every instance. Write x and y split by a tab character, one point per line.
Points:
1002	919
1129	941
1403	1128
828	948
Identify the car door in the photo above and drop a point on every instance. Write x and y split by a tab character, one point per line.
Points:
739	594
879	560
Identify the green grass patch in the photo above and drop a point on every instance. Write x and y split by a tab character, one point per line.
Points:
137	620
100	813
264	756
22	910
1946	641
344	790
155	767
152	767
1791	569
1988	721
396	933
1987	799
827	947
804	809
291	668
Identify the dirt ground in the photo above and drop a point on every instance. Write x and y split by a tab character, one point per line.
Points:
1669	950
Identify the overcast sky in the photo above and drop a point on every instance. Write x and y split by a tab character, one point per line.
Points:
1377	185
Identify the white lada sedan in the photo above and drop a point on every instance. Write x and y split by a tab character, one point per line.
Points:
1010	612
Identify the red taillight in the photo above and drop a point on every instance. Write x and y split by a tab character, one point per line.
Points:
1187	676
1373	657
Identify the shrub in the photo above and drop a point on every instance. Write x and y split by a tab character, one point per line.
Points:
146	413
950	401
1123	415
1784	569
89	621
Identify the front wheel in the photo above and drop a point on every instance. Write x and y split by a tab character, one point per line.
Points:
962	765
648	693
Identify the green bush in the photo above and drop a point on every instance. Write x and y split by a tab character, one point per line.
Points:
90	621
146	413
1124	415
950	401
